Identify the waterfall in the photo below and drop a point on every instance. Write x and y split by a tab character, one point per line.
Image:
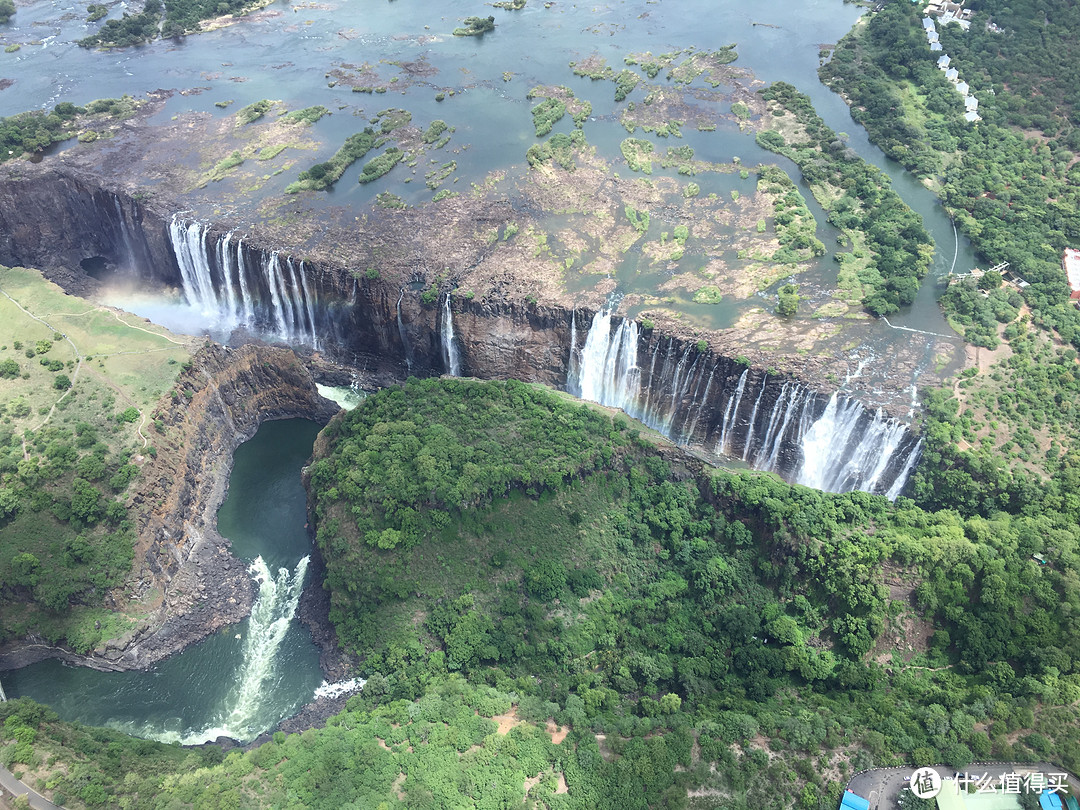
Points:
309	301
450	351
846	449
273	297
836	445
753	421
247	310
401	332
724	444
190	250
240	713
124	236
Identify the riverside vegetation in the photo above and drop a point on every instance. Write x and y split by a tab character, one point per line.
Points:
511	565
1015	196
892	250
1004	438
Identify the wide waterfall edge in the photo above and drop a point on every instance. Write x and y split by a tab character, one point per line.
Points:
608	372
865	450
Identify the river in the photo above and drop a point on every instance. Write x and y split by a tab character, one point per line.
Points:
246	679
303	54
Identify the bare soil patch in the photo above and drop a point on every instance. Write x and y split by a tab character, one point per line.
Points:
507	721
558	733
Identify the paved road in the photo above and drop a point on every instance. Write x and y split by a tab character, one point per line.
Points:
17	788
881	786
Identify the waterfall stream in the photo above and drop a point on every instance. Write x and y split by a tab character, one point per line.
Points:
273	296
833	443
449	345
273	610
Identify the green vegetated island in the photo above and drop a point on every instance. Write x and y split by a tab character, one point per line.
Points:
552	605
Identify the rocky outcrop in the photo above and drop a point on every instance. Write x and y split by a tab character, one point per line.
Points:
56	220
184	576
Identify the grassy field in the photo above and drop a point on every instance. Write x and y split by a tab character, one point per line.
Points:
115	360
77	384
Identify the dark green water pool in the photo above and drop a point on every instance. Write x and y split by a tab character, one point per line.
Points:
245	679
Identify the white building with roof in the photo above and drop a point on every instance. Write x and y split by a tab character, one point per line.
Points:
1070	263
962	88
971	116
952	74
971	103
943	61
935	46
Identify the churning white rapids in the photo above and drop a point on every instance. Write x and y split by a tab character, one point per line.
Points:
238	713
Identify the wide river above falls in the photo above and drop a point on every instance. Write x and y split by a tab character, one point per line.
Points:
310	53
252	675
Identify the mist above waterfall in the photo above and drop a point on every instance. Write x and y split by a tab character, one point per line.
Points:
222	289
833	443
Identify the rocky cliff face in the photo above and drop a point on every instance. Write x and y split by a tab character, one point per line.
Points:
184	574
394	317
55	220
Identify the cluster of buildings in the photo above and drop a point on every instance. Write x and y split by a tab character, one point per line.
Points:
949	12
971	104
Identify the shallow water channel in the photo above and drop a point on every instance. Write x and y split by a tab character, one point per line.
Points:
244	680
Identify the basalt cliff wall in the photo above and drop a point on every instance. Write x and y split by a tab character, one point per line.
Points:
184	576
385	305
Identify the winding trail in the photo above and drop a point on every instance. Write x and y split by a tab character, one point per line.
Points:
80	358
74	348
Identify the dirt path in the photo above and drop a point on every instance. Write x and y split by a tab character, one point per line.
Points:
74	348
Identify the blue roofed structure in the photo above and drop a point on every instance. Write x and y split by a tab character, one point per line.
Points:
852	801
1049	801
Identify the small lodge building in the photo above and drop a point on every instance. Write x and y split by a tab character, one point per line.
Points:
943	61
962	88
952	74
1070	263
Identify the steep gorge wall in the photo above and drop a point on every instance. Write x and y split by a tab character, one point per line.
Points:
54	220
184	577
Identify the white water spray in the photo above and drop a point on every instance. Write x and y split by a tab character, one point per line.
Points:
450	350
842	448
